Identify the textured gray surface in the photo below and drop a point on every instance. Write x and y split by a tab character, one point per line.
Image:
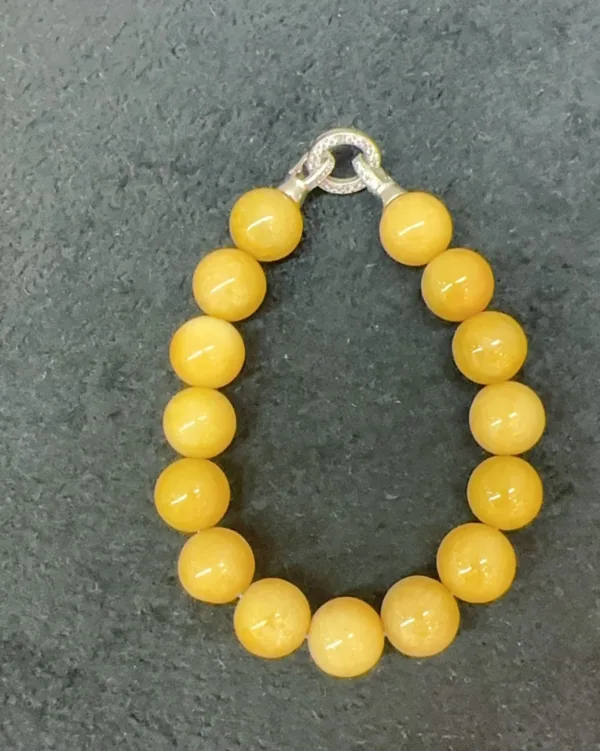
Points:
127	130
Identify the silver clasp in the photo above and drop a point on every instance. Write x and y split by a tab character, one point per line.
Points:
376	180
297	185
316	165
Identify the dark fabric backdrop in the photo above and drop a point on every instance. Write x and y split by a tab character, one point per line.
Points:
127	130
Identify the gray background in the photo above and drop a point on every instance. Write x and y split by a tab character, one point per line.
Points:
127	130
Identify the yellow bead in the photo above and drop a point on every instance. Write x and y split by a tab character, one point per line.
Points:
346	637
507	418
415	227
489	347
266	223
207	351
192	494
199	422
476	563
229	284
216	565
457	284
272	618
505	492
420	616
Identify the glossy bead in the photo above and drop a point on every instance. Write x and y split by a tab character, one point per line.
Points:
199	422
420	616
507	418
216	565
266	223
476	563
229	284
192	494
457	284
489	347
505	492
207	351
415	227
272	618
346	637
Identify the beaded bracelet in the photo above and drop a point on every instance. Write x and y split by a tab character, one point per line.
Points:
476	562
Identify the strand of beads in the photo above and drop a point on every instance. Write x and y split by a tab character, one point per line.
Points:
216	564
476	562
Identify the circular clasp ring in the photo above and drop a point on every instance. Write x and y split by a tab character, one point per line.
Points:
336	138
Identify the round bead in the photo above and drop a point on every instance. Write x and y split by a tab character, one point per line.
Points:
415	227
489	347
266	223
420	616
346	637
457	284
507	418
505	492
216	565
229	284
192	494
476	563
199	422
272	618
207	351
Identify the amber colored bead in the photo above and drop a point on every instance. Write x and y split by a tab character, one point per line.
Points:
207	351
272	618
457	284
420	616
507	418
415	227
489	347
216	565
192	494
476	563
266	223
199	422
346	637
229	284
505	492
